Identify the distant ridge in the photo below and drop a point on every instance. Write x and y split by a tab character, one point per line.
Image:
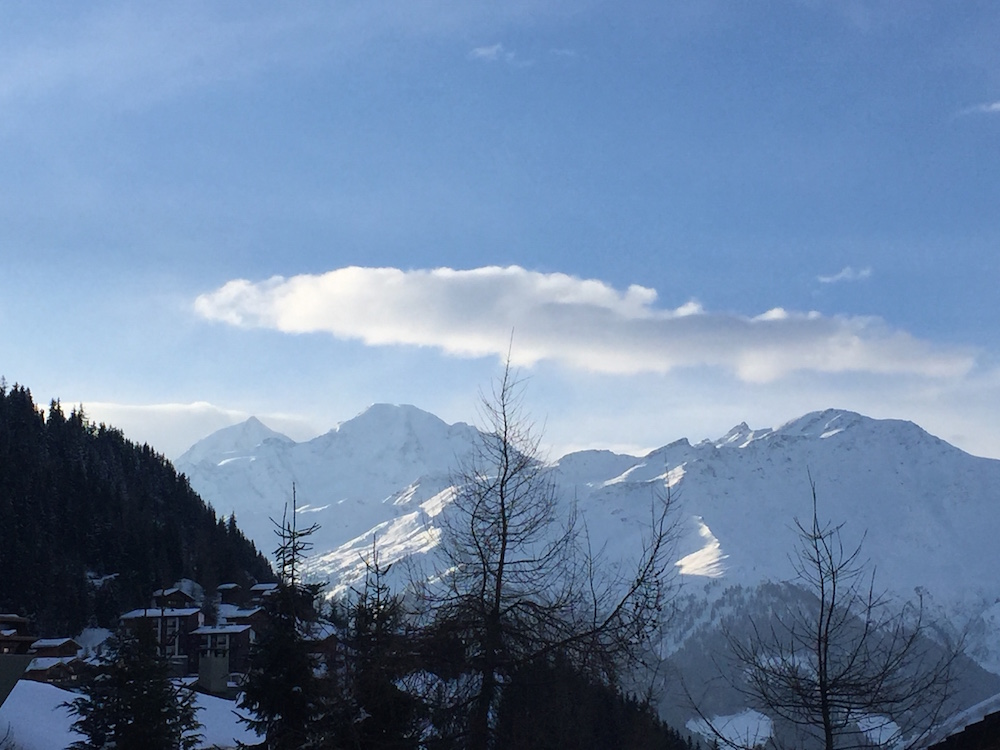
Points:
910	491
928	512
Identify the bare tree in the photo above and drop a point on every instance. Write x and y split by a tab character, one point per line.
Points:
842	668
517	582
7	741
283	696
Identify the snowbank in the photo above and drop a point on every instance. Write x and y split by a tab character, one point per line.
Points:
37	720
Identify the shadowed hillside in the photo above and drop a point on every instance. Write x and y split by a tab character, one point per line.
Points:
90	522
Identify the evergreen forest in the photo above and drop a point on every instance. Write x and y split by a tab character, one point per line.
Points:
91	523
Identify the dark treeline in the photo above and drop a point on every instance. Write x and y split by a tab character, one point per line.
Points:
90	522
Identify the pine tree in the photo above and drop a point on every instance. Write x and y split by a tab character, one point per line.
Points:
132	704
283	694
369	706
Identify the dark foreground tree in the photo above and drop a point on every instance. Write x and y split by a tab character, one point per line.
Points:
132	703
370	707
548	705
516	582
843	668
283	696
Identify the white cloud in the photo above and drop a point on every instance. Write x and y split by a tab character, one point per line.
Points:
498	53
580	323
491	53
846	274
987	108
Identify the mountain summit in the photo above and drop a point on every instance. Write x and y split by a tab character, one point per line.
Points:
928	514
359	474
929	511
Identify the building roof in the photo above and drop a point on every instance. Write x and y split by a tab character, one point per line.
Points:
43	663
232	612
220	629
158	612
171	591
54	643
264	587
227	586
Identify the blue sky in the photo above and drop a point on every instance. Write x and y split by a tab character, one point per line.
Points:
688	214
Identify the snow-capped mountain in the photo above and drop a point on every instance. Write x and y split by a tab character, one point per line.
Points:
927	514
369	470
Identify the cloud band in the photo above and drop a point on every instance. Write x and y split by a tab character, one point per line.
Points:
580	323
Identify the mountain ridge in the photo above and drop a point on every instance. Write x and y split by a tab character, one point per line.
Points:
926	512
389	459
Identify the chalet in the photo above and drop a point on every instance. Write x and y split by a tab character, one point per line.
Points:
14	645
56	661
255	617
232	594
55	647
174	629
224	652
14	638
174	598
260	591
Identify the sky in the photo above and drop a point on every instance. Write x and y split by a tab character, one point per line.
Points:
672	216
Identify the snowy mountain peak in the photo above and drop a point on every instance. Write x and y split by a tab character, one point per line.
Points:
236	439
737	436
819	424
740	436
925	511
918	498
393	434
391	419
864	430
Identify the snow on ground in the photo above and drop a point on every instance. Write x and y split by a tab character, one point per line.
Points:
91	640
38	721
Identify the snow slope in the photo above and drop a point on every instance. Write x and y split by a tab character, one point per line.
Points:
379	466
37	720
927	513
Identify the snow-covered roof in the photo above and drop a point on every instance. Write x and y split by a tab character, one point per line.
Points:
171	592
264	587
227	586
157	612
53	642
42	663
231	611
220	629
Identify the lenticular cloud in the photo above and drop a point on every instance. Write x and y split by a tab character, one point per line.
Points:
580	323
